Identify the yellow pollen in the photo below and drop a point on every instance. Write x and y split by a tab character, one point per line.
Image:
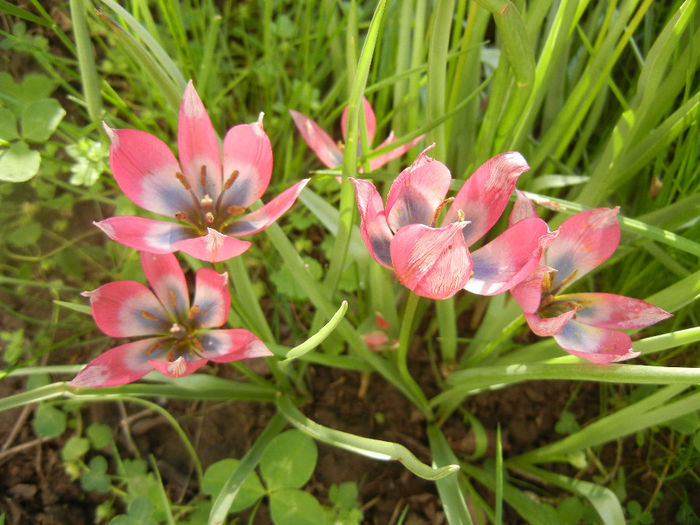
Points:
209	216
194	310
181	216
235	210
153	348
183	180
148	315
173	298
231	179
460	214
203	176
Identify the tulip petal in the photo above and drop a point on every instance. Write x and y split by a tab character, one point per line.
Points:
433	262
370	121
117	366
318	140
198	146
549	326
484	196
373	225
528	293
262	217
522	209
177	368
509	258
417	193
606	310
165	276
143	234
224	346
213	247
387	157
248	152
212	299
145	168
598	345
127	309
585	240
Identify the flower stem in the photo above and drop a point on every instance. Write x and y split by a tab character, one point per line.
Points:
405	335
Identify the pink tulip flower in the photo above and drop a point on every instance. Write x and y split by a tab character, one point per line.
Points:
435	261
205	196
586	325
331	154
182	335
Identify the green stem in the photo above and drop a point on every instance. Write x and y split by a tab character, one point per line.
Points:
405	336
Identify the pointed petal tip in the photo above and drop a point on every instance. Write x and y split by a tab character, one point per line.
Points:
111	133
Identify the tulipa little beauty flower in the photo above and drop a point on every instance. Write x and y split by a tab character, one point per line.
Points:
183	336
434	261
331	154
205	196
586	325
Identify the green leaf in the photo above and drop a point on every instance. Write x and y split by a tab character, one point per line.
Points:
19	163
295	507
40	119
100	435
216	476
14	345
24	235
140	509
96	479
286	284
49	421
289	460
75	448
8	125
34	86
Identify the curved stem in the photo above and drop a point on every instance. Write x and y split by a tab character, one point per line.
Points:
405	335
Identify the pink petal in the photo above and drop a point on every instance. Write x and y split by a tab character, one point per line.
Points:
606	310
509	258
381	160
117	366
213	247
433	262
269	213
370	121
548	326
247	150
224	346
177	368
165	276
143	234
145	168
485	194
373	225
318	140
127	309
198	146
598	345
417	193
522	209
528	293
585	240
212	298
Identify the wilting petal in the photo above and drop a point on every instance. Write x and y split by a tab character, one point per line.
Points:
223	346
177	368
417	193
127	309
118	366
148	235
318	140
262	217
598	345
212	299
548	326
509	258
370	121
433	262
528	293
485	194
606	310
373	225
522	209
198	146
165	276
247	164
213	247
380	161
145	168
585	240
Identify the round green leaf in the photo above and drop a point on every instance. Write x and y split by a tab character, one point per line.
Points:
19	163
289	460
215	478
8	125
75	448
24	235
40	119
100	435
295	507
49	421
96	478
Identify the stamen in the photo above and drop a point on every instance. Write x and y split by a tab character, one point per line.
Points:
460	215
173	298
231	179
194	310
181	216
183	180
198	344
439	209
209	216
148	315
235	210
203	176
153	347
171	354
